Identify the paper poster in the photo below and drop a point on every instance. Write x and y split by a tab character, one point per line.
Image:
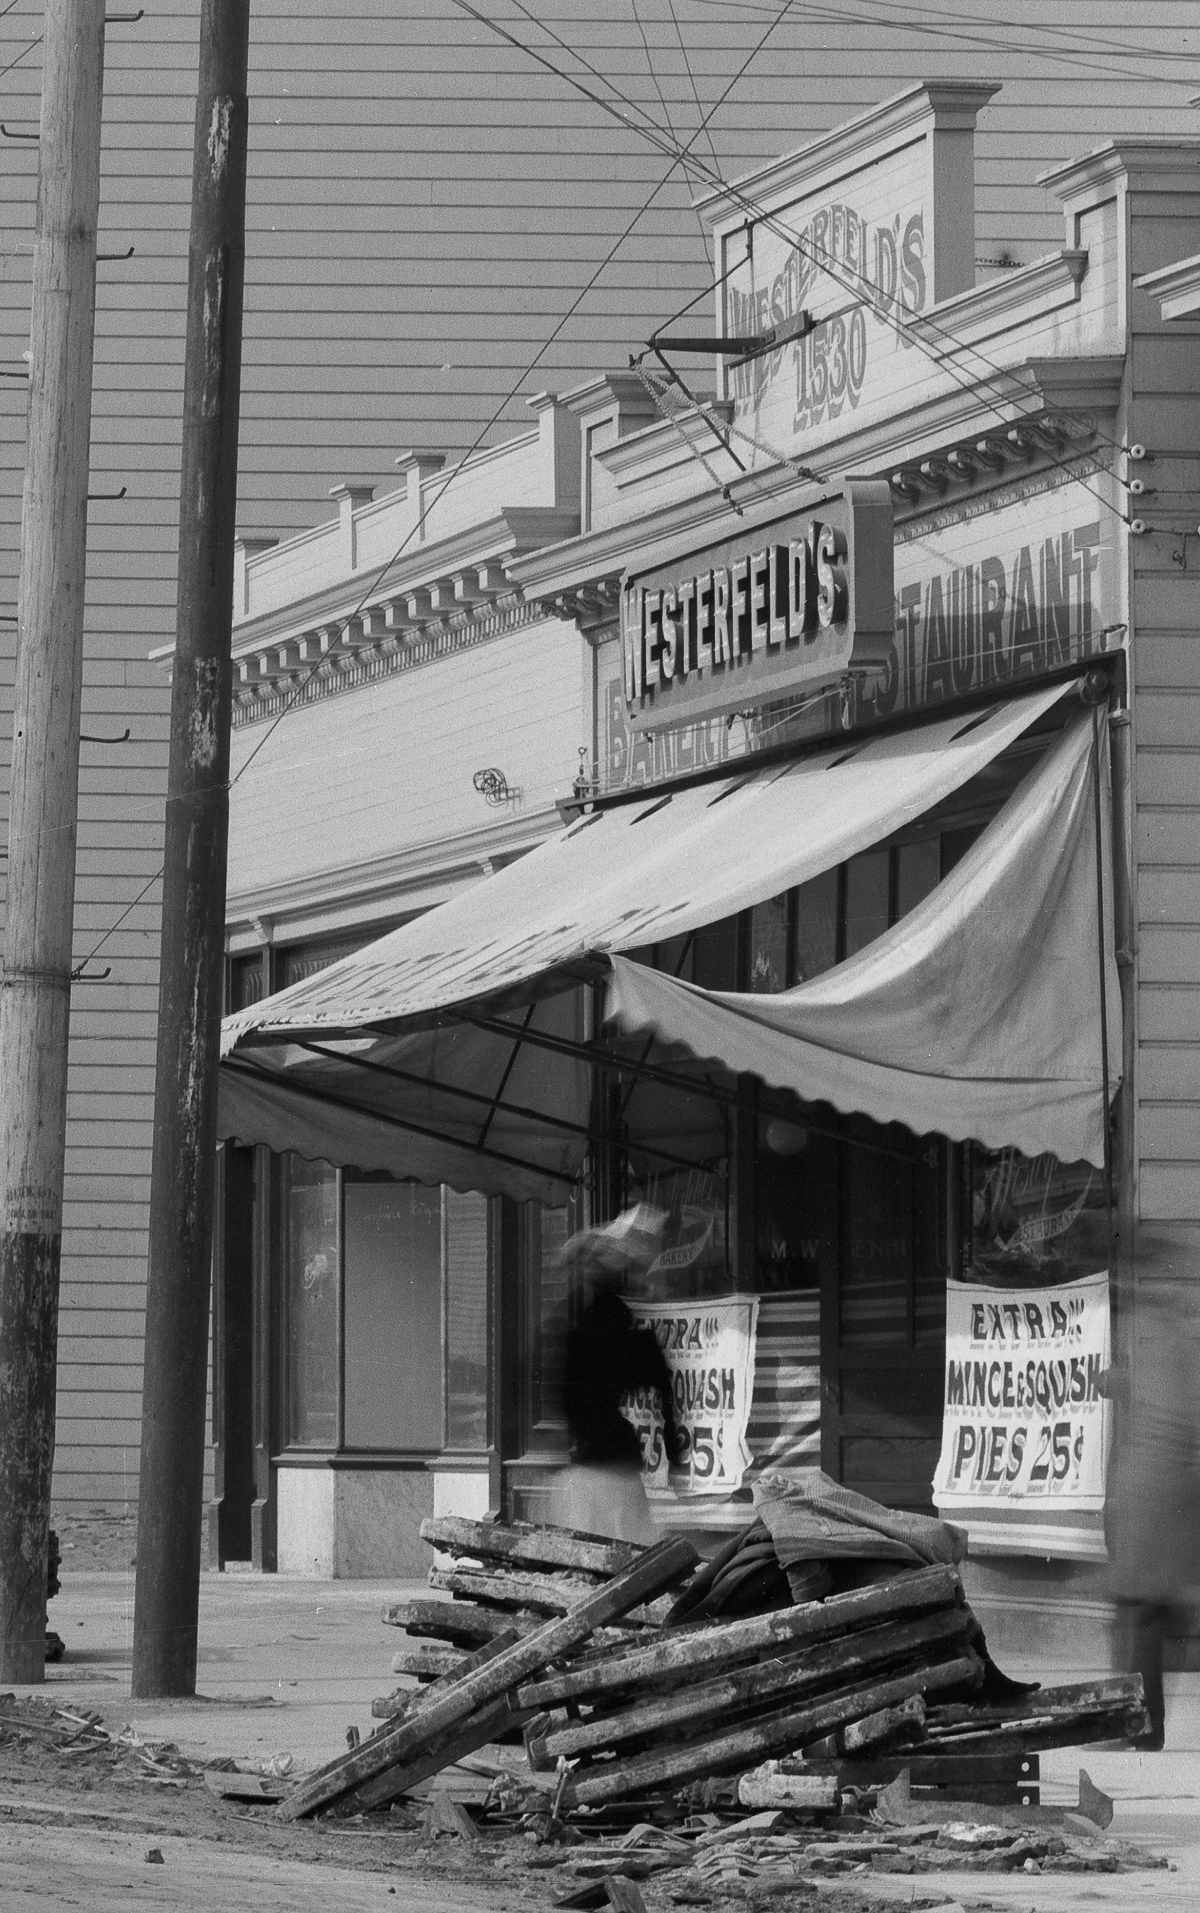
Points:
709	1346
1024	1425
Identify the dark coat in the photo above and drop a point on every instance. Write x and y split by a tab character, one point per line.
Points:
606	1358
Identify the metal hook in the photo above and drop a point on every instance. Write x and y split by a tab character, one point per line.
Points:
110	498
8	135
124	19
80	976
127	254
86	737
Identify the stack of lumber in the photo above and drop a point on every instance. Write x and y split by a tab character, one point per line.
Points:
558	1638
502	1577
717	1698
457	1714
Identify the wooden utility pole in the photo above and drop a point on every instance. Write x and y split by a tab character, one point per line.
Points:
35	986
171	1488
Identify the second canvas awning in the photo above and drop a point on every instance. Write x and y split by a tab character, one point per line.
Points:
980	1015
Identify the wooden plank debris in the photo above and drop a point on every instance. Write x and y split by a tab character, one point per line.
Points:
460	1623
748	1745
726	1644
809	1711
776	1682
658	1569
529	1546
428	1662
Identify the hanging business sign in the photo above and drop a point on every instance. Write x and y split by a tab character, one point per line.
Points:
709	1348
1024	1423
791	606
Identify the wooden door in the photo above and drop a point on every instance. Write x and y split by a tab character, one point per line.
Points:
883	1326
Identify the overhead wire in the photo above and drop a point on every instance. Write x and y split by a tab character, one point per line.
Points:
840	274
415	531
947	27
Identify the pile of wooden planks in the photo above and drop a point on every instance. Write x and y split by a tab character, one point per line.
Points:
723	1696
503	1577
559	1638
457	1714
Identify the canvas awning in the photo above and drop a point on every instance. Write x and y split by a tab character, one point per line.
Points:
454	1050
977	1016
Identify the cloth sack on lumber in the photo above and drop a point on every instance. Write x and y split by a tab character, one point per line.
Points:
811	1517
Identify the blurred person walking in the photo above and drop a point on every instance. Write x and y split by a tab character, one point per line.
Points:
606	1357
1152	1515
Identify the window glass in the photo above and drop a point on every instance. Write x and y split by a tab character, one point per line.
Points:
877	1247
693	1258
674	956
1031	1221
715	956
918	871
769	946
816	931
796	1226
393	1314
956	843
310	1202
549	1301
866	899
467	1307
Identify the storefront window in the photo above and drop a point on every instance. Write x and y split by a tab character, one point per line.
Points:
868	900
468	1308
362	1260
311	1257
1031	1222
770	969
795	1170
549	1230
392	1259
816	920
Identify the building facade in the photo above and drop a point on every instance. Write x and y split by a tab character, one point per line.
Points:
1023	491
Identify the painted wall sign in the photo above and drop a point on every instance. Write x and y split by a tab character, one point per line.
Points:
865	231
996	600
709	1345
1024	1424
795	604
820	376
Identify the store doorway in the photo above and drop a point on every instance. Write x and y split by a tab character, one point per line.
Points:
883	1316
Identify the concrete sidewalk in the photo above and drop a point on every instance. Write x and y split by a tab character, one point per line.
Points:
286	1666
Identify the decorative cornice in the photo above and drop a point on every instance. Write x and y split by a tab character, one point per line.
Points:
1173	162
1177	288
447	595
1015	298
1049	403
852	146
286	687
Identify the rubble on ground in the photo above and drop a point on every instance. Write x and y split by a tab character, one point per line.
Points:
587	1696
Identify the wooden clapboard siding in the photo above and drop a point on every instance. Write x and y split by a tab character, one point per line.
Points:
1165	605
424	204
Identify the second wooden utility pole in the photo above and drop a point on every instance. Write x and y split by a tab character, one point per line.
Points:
171	1487
35	997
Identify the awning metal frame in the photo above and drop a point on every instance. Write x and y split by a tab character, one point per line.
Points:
769	1101
246	1066
493	1103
